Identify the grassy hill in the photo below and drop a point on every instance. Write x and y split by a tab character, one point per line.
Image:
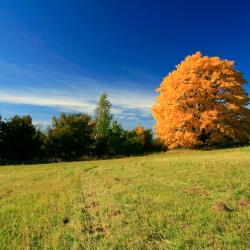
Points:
174	200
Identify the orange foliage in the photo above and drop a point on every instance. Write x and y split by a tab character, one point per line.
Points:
202	102
139	131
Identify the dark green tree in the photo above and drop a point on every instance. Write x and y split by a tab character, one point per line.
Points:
1	138
140	141
116	139
20	140
133	144
71	136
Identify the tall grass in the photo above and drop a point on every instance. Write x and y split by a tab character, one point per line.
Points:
173	200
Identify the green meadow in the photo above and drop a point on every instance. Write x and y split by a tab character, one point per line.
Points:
173	200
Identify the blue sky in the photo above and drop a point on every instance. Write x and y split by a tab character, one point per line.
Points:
59	56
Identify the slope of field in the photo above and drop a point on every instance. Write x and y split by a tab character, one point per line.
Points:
175	200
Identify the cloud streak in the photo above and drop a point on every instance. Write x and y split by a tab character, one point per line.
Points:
67	100
44	99
67	93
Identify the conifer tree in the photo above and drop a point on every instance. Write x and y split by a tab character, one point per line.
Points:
103	117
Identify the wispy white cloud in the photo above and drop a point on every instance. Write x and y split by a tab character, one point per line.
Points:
75	93
67	100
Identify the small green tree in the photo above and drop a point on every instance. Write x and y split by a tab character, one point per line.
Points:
132	144
103	118
116	139
140	141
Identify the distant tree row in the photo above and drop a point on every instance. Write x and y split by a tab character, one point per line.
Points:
73	137
202	103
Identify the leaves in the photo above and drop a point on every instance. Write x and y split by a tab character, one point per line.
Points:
202	98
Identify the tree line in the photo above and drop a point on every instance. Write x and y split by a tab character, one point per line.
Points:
73	136
201	104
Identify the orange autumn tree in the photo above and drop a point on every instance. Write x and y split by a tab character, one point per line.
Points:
140	132
202	102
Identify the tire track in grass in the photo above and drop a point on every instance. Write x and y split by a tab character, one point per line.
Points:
90	232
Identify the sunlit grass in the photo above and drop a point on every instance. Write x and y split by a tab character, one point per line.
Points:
162	201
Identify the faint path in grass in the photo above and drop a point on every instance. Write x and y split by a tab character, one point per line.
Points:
161	201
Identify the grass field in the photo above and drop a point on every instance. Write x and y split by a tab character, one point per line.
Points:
174	200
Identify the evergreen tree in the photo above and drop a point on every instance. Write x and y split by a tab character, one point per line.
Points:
103	118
